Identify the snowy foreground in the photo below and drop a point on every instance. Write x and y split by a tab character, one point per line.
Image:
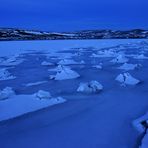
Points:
74	94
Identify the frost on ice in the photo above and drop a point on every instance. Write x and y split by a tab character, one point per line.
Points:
5	75
65	73
90	87
127	66
120	59
6	93
126	78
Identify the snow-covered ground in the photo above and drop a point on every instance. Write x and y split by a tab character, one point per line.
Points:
114	72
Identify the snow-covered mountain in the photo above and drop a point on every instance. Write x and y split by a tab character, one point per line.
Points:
20	34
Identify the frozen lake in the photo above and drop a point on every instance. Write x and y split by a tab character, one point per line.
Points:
99	120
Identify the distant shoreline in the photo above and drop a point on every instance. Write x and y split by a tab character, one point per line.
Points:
26	35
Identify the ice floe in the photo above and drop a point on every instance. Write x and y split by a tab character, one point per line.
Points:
21	104
90	87
5	75
6	93
65	73
120	59
126	78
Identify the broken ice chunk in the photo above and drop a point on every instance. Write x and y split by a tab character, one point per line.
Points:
82	62
104	54
6	93
141	57
59	99
107	53
144	143
65	73
120	59
12	61
98	66
58	68
141	124
5	75
45	63
126	78
41	94
67	62
127	66
90	87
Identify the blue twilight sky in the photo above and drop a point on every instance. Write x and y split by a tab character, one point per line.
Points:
66	15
